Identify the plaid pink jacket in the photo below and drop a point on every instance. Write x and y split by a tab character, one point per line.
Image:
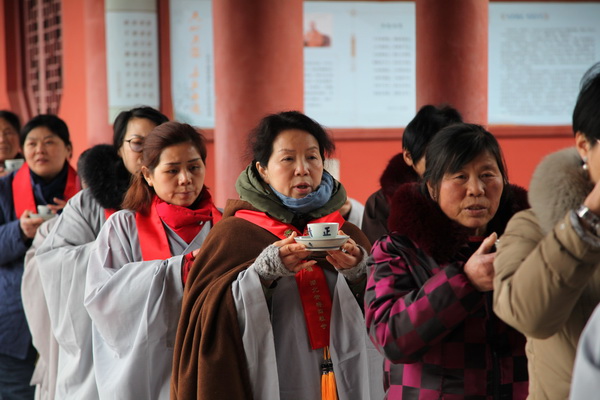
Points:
439	334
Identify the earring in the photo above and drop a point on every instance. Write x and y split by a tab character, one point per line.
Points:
585	164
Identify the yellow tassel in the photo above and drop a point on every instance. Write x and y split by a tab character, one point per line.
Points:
331	385
328	387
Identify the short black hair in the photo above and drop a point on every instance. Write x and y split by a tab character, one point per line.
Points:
425	124
454	147
11	118
81	166
120	124
262	137
50	121
586	115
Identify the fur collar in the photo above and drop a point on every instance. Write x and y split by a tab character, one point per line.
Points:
106	176
420	219
395	174
558	185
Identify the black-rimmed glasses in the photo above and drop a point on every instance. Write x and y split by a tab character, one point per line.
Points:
135	144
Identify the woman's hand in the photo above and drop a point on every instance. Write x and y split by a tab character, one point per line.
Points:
348	256
60	204
29	226
480	266
293	254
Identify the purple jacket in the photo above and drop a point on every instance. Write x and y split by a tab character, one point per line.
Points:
439	334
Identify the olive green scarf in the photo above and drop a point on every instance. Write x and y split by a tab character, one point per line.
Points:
255	191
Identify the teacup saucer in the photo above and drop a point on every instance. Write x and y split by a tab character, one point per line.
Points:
322	244
45	217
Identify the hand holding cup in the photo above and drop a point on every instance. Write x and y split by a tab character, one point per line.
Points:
13	164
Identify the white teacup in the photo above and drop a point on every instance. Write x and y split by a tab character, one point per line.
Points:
323	230
13	164
44	210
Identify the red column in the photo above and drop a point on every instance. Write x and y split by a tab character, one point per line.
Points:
452	55
84	102
258	70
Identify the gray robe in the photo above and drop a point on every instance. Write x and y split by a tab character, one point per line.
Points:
586	373
62	263
38	319
134	306
281	363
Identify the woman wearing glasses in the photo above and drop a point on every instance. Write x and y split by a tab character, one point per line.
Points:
62	259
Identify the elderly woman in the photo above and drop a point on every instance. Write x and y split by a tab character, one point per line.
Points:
45	179
429	294
138	264
253	324
548	266
61	262
10	125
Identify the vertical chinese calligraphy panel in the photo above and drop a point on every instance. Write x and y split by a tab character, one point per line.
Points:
192	62
132	60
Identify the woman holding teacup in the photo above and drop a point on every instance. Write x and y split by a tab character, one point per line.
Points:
10	156
45	179
260	308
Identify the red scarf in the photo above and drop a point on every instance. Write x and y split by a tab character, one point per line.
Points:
281	229
314	292
184	221
23	197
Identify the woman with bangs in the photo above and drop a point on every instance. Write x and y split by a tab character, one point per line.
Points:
139	263
46	179
428	303
259	307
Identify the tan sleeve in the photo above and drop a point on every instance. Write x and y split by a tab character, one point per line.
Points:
539	278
